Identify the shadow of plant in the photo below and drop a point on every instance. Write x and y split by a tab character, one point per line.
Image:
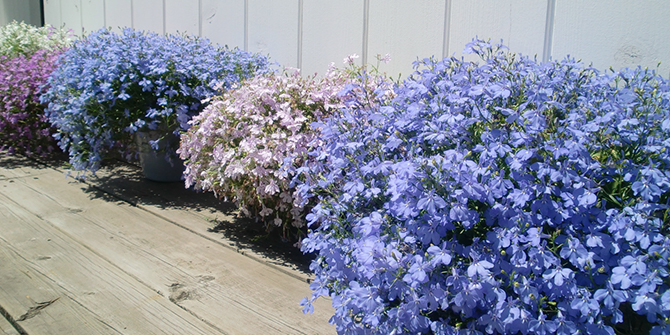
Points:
249	234
121	181
18	161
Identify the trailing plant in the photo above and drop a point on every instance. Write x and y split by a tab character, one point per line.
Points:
23	126
237	146
27	57
501	197
109	85
21	39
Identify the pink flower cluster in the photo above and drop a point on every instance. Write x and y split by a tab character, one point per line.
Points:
23	126
239	147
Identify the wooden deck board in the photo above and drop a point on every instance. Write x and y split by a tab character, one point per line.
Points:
227	290
119	301
37	304
6	328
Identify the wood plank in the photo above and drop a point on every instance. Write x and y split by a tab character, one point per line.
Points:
191	210
6	328
216	284
36	304
14	166
122	302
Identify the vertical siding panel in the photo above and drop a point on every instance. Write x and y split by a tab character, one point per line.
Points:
613	33
223	22
35	13
118	13
92	15
27	11
273	29
148	15
407	30
519	23
71	15
52	13
182	16
332	30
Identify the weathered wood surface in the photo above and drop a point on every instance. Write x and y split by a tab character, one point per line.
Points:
6	328
74	261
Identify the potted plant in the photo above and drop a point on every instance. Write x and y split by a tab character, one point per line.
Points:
27	57
109	87
238	146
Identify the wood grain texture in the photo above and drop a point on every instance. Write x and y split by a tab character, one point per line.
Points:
35	302
6	328
153	248
118	301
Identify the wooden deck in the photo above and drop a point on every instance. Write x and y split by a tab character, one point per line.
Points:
120	255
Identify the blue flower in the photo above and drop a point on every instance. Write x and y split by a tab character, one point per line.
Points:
517	197
479	267
542	326
609	296
107	80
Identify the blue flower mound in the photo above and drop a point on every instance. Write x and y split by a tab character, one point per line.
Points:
109	85
500	197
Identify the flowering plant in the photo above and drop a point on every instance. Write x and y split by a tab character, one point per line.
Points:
110	85
23	125
236	147
24	39
504	197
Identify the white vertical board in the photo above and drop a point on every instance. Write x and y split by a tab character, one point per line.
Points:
331	31
222	22
71	15
148	15
92	15
182	16
273	29
407	30
614	34
519	23
52	13
118	14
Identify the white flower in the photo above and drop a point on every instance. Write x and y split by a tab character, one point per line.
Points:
350	59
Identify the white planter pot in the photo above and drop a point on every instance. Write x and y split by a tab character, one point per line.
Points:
154	164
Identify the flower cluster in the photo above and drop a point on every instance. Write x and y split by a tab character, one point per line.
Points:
237	146
24	39
504	197
23	125
110	85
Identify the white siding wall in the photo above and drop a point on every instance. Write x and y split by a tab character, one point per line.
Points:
310	34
